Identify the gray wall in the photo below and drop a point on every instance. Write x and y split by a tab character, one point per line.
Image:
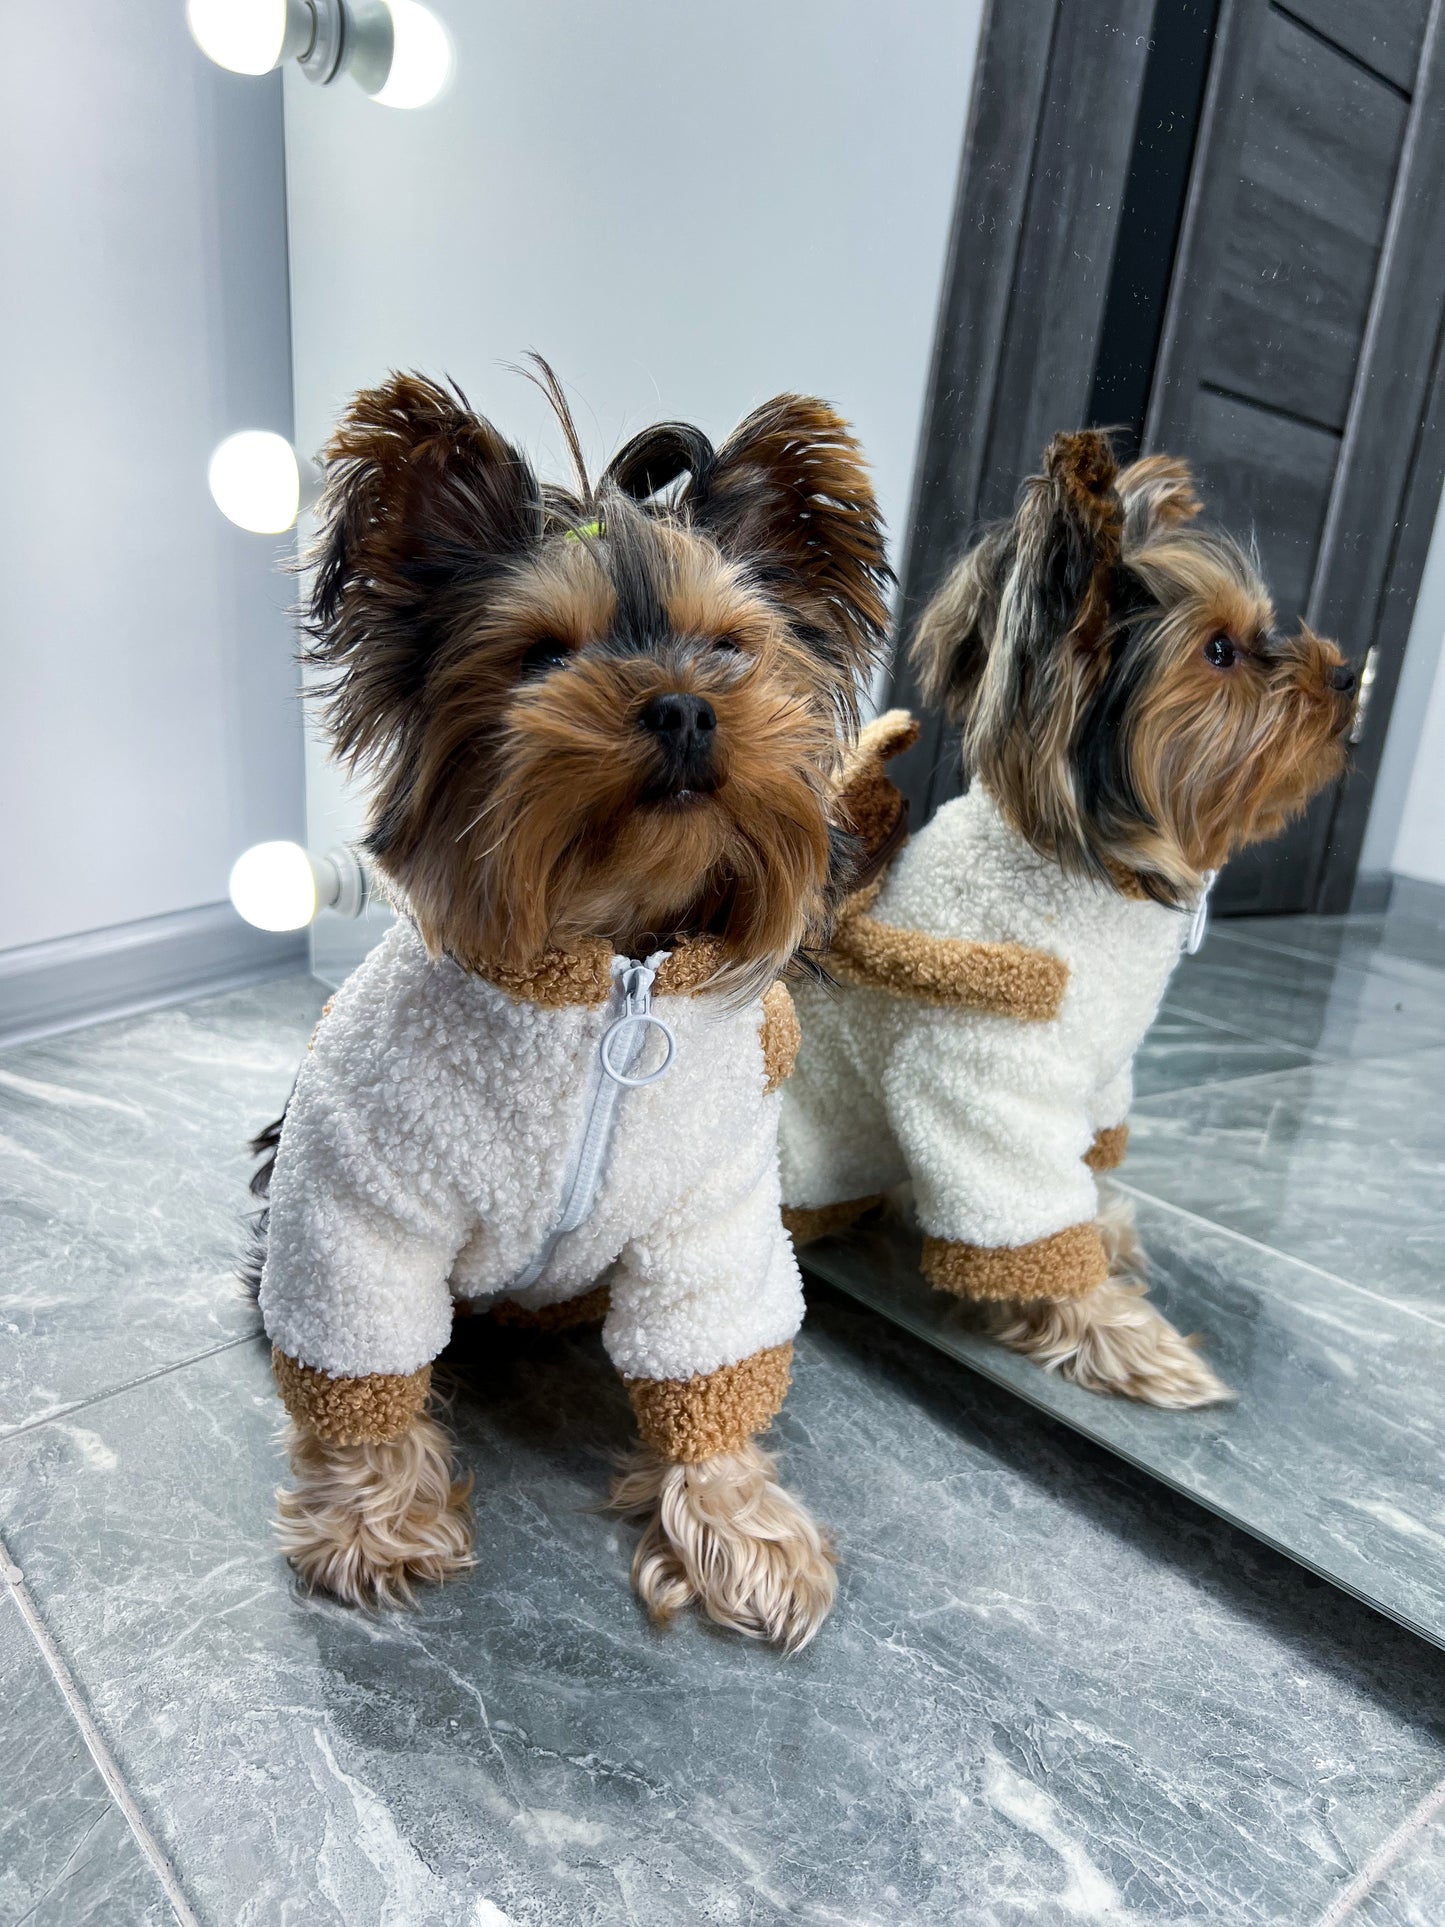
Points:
148	730
1407	816
686	209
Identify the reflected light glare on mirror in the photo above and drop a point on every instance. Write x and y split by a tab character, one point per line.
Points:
256	481
274	886
421	61
246	36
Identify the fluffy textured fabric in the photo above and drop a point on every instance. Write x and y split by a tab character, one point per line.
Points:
426	1150
993	1117
688	1420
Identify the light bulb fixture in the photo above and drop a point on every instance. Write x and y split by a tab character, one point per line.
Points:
397	51
280	886
259	483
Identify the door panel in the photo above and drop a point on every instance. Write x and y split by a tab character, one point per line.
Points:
1385	37
1270	474
1304	231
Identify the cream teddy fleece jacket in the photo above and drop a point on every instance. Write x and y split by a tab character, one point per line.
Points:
425	1156
981	1045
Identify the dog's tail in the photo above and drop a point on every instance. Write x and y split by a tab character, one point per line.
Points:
263	1146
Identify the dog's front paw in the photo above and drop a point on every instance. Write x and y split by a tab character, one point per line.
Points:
367	1523
1110	1340
722	1534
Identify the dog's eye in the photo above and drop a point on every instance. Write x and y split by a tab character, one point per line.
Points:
543	656
727	645
1221	652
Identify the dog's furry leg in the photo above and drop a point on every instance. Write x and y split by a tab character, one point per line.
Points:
1112	1339
366	1522
724	1535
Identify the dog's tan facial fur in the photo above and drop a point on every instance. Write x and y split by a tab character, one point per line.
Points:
1123	691
498	644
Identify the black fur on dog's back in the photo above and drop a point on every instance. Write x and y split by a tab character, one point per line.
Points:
264	1145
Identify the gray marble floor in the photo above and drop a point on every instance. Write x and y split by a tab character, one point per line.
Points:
123	1174
1054	1691
66	1853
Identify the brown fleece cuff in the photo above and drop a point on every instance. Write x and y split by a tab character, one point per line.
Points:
780	1034
1066	1265
351	1411
805	1224
689	1419
1106	1153
589	1309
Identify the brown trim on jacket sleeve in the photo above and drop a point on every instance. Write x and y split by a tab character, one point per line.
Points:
588	1309
1067	1264
780	1034
1003	979
1106	1153
689	1419
805	1223
350	1411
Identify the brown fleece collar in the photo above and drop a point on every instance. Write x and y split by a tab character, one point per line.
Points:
583	974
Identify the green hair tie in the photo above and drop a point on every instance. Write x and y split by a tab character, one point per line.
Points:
587	529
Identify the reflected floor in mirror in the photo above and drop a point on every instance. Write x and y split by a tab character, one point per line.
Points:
1287	1167
1053	1691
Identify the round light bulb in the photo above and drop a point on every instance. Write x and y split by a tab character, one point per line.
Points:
273	885
247	36
421	59
256	481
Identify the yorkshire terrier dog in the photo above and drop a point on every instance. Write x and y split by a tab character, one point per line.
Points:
602	725
1130	716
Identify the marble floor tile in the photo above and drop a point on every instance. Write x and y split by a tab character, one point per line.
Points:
1331	1452
1050	1693
1315	1003
67	1857
123	1175
1391	945
1410	1891
1341	1165
1181	1052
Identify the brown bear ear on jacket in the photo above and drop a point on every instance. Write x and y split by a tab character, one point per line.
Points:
425	504
788	495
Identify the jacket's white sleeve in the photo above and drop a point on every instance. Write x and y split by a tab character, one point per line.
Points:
704	1309
713	1281
1112	1100
994	1122
363	1229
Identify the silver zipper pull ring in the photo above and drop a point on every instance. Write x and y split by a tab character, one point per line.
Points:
630	1029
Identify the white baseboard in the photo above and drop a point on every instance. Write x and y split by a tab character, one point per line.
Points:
70	981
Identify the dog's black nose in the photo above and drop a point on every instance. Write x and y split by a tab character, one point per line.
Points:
679	719
1342	680
685	731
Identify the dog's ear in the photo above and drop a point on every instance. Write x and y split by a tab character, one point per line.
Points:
1048	653
1068	535
1158	494
955	632
788	495
424	504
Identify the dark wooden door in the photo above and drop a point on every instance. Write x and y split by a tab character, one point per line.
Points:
1302	322
1220	223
